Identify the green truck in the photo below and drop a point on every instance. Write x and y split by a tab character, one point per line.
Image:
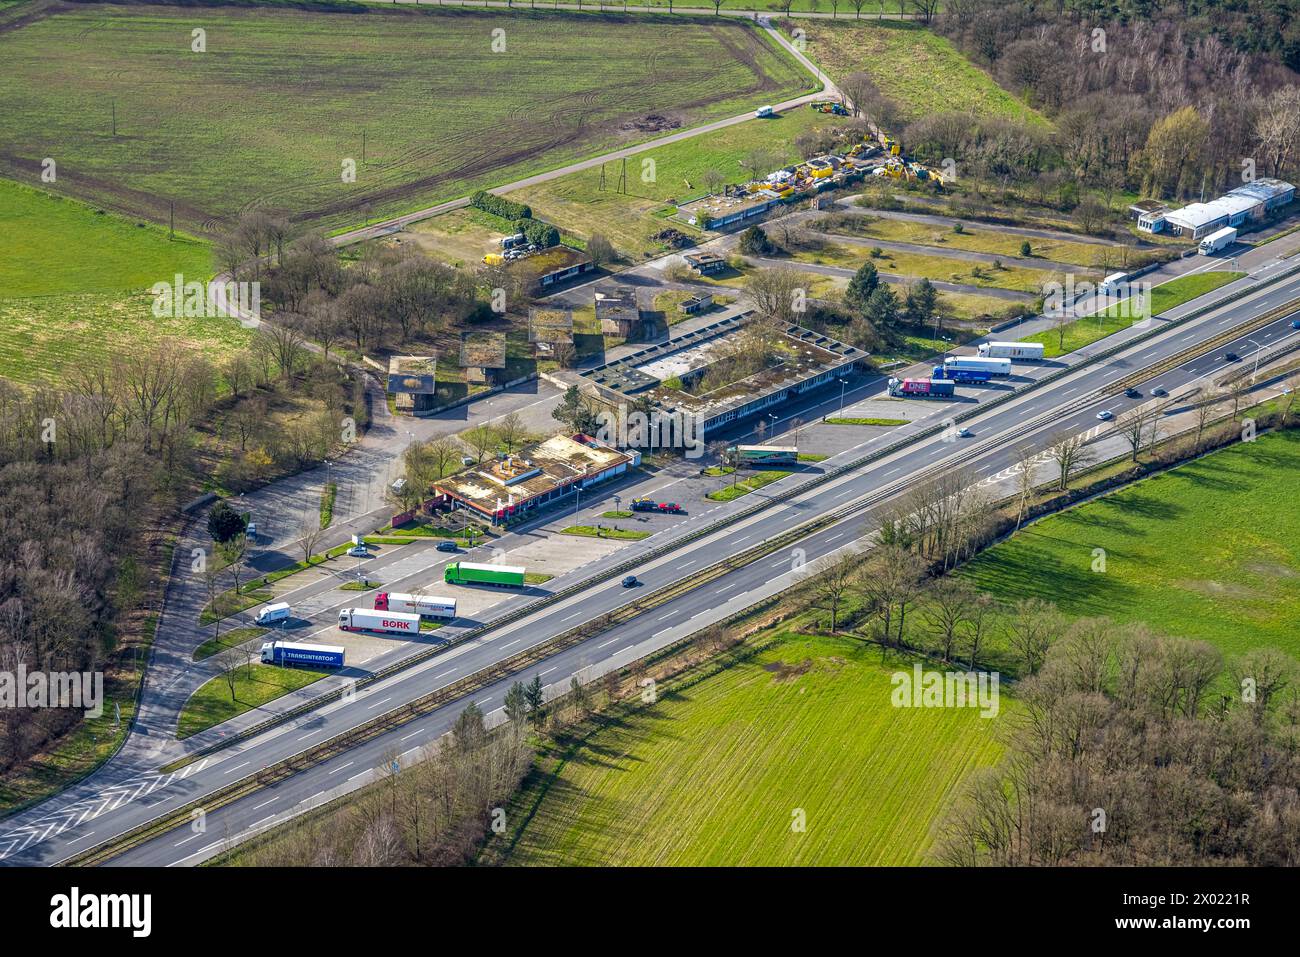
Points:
469	573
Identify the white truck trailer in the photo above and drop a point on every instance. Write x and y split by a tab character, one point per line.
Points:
1023	351
385	622
1212	243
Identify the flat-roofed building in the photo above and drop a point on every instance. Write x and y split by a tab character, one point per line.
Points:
509	487
413	382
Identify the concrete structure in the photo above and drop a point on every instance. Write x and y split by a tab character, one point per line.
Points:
549	328
413	382
511	486
697	304
482	355
618	312
705	263
665	378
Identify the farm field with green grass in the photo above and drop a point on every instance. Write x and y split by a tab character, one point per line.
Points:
1088	329
74	285
712	773
261	119
1209	551
920	70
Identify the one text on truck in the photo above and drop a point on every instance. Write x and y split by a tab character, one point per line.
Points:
300	653
1012	350
385	622
426	606
923	388
472	573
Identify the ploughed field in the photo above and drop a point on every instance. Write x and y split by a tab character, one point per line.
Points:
447	101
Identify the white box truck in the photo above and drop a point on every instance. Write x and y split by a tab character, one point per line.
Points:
387	622
270	614
1113	283
1212	243
1011	350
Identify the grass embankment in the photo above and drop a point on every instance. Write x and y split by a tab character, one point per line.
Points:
745	486
255	685
715	771
231	639
1121	315
250	122
858	420
328	494
594	531
1209	550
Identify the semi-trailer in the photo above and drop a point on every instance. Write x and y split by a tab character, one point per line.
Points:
299	653
1012	350
961	375
426	606
923	388
1217	240
471	573
387	622
953	366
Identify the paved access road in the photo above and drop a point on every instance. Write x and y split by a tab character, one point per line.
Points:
1067	403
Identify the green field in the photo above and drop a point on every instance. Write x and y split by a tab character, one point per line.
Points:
73	286
1210	550
933	267
1089	329
713	773
268	114
921	71
254	687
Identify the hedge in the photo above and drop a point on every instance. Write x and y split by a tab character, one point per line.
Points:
499	206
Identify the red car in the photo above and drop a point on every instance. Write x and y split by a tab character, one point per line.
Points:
671	507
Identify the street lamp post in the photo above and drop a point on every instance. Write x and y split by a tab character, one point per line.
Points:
1258	350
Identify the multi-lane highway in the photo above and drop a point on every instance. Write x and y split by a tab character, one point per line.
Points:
62	829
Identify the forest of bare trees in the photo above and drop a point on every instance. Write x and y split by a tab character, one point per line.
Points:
1156	98
1131	748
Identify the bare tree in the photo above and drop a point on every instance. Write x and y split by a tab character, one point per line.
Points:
309	533
831	580
1033	627
946	608
1025	468
1070	453
511	430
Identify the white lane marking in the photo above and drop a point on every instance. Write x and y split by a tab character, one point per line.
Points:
82	838
571	617
453	670
237	767
513	643
610	642
343	767
547	672
378	703
265	803
310	733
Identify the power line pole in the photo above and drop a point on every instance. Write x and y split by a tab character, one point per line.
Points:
115	117
171	234
622	179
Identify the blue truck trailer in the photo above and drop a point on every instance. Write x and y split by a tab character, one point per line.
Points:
298	653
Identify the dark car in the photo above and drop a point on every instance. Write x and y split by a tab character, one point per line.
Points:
1159	392
1133	393
630	581
1232	357
447	547
1295	323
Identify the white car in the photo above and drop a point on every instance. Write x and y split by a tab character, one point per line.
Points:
359	551
1106	415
